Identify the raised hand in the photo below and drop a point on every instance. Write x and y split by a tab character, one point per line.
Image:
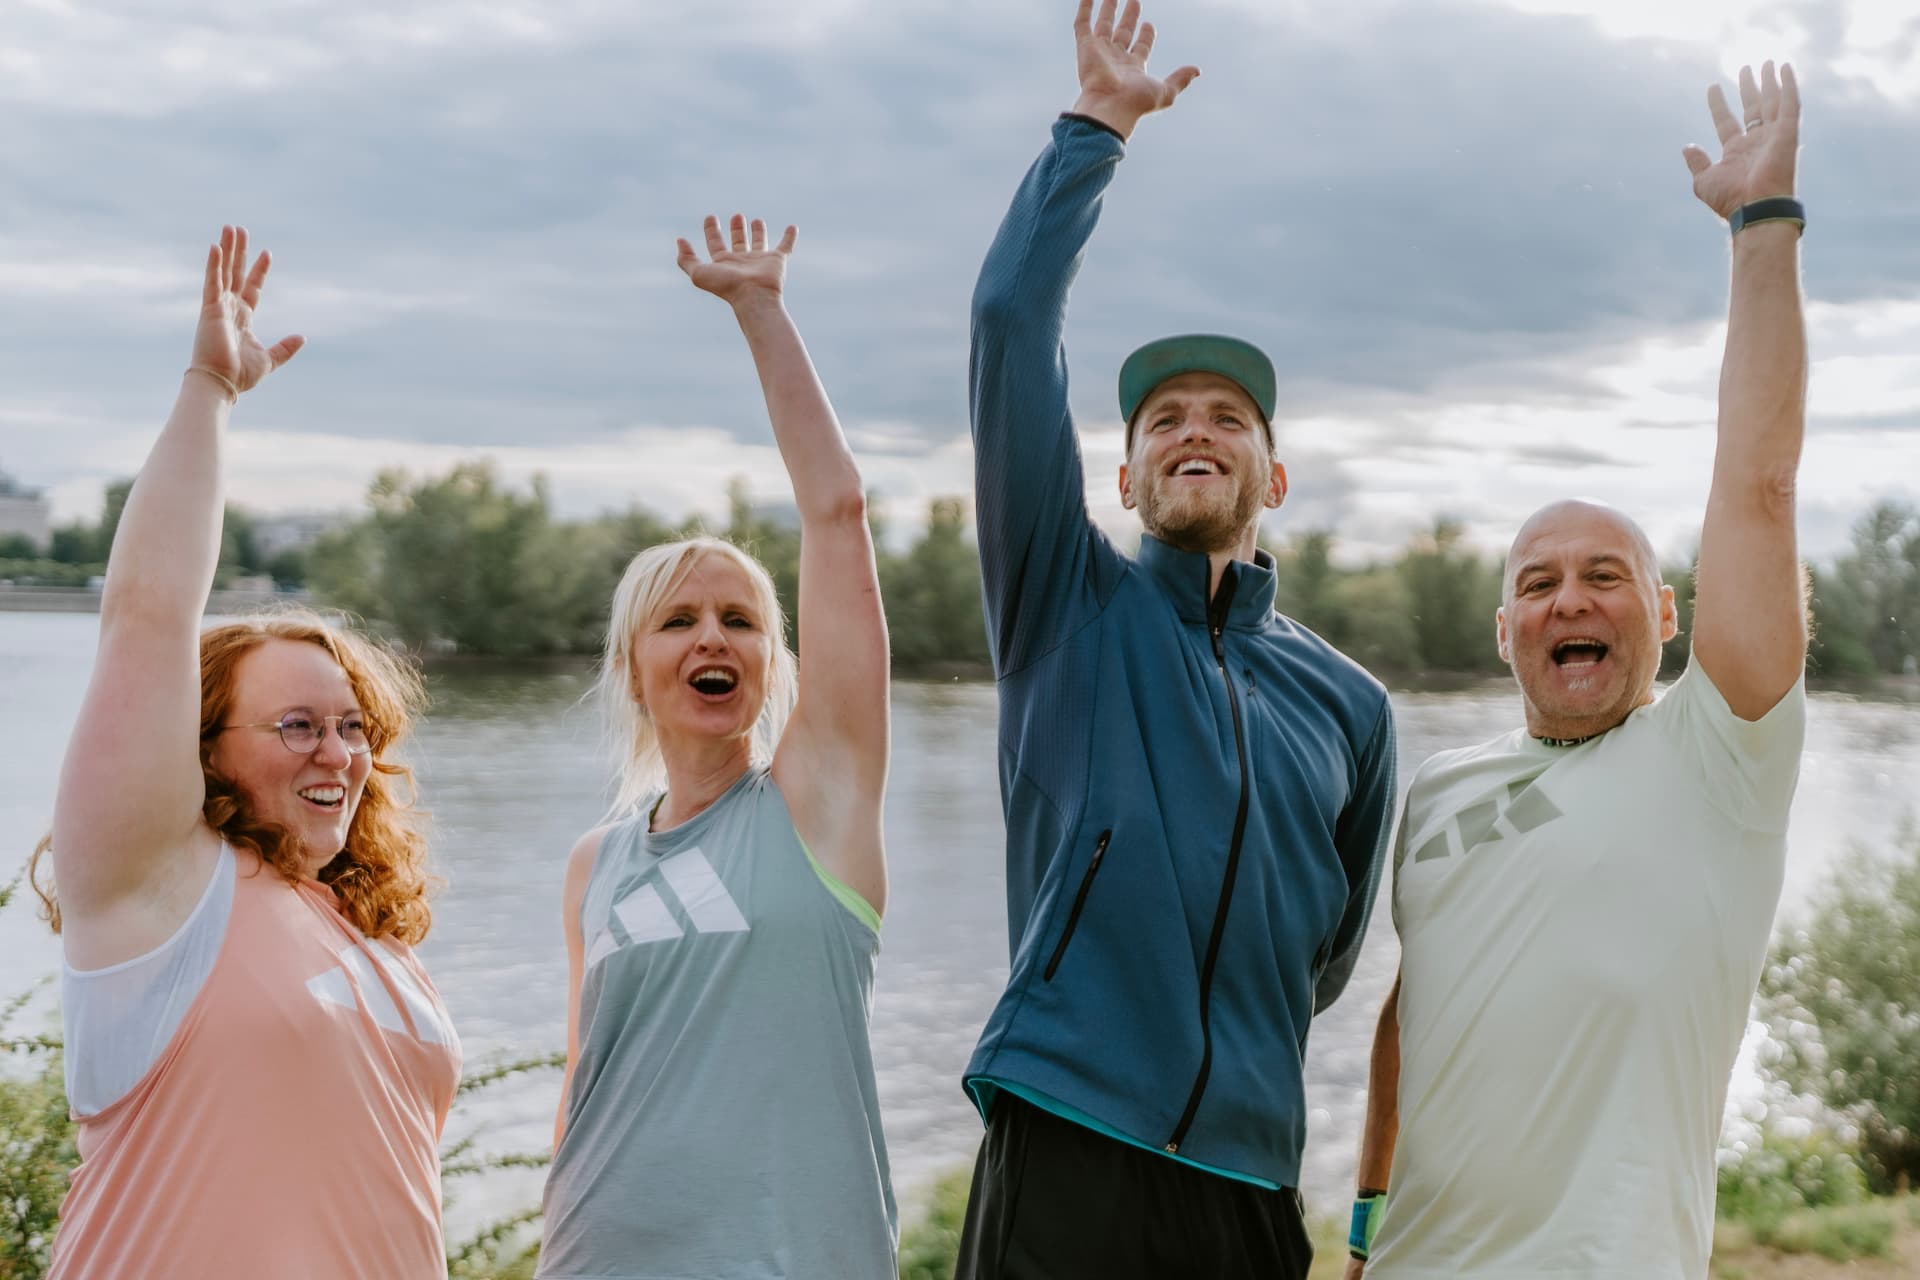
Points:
1115	87
224	344
1758	147
745	269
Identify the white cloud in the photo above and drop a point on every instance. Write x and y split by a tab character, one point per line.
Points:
1873	44
471	205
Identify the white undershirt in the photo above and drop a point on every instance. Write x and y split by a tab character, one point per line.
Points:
120	1019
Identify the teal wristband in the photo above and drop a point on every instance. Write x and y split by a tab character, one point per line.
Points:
1365	1224
1777	209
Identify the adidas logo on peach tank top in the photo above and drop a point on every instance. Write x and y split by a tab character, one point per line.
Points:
290	1129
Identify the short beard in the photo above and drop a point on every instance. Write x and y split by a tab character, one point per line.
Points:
1196	524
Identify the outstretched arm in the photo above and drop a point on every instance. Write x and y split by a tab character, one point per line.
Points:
832	761
1030	487
131	787
1383	1107
1749	621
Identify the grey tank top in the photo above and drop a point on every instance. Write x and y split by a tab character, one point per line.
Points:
723	1120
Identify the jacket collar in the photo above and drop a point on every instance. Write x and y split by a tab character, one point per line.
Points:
1183	576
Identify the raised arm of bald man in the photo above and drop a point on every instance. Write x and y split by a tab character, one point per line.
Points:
1749	622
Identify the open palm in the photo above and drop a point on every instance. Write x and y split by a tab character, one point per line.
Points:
224	344
1757	157
1112	59
741	266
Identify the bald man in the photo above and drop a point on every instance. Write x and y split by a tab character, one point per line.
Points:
1584	904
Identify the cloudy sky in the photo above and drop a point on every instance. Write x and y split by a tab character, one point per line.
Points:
1462	227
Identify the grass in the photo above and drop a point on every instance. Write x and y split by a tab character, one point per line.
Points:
1876	1238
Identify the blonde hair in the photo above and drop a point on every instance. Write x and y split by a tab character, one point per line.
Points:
651	577
381	876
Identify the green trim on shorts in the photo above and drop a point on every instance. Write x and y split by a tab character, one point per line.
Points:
849	897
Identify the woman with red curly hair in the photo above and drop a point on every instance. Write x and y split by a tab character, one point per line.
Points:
258	1066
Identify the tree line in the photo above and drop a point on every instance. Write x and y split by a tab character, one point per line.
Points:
464	563
77	551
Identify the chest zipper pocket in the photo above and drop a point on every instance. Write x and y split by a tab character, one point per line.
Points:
1079	902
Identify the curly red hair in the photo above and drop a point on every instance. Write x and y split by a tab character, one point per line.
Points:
381	876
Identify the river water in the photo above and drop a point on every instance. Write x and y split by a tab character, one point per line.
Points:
512	770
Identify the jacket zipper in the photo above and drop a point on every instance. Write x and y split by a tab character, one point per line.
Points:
1079	901
1216	620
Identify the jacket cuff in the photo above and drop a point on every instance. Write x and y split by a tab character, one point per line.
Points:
1101	125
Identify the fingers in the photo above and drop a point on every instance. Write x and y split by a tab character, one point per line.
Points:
1724	122
236	261
1180	79
210	294
284	350
1129	19
1769	93
1083	19
250	292
1789	96
1103	25
1143	45
742	238
1749	98
1698	162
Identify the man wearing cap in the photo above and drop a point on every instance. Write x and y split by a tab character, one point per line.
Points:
1197	790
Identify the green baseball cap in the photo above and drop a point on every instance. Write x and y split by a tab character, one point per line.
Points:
1239	362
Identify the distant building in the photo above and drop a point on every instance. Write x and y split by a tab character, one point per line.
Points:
273	535
25	511
781	513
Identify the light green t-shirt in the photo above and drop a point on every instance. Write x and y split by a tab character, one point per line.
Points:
1582	929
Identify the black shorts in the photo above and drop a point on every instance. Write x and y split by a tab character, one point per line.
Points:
1055	1200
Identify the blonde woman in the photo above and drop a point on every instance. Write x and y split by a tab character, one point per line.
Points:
719	1116
258	1066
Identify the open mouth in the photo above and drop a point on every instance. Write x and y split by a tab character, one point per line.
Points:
713	682
1579	653
1198	467
327	799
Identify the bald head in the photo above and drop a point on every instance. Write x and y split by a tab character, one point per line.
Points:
1577	518
1582	618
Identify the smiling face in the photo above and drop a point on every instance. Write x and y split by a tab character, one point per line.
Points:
1584	619
1199	468
313	797
701	662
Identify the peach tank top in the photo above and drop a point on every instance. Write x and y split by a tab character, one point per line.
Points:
290	1128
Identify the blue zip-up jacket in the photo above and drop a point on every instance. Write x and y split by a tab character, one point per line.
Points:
1198	792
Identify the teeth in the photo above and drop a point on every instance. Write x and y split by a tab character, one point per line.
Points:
1196	467
324	795
716	679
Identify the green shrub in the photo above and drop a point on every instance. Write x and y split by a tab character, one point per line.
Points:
1781	1175
929	1245
36	1139
36	1155
1839	1234
1842	1000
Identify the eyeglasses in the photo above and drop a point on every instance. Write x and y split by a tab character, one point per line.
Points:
301	733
